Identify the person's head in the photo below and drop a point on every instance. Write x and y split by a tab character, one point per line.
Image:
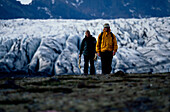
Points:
106	27
87	33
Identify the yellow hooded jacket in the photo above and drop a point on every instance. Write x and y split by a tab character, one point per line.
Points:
107	43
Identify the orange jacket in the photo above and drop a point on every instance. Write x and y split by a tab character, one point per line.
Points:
107	43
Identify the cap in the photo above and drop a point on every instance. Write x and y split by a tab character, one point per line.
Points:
106	25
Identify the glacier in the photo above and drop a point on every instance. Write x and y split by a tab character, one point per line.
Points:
51	47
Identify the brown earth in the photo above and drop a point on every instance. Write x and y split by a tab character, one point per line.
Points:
92	93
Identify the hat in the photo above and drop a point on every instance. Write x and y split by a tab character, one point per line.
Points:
106	25
88	31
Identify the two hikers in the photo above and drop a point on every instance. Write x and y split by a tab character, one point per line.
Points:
106	47
88	49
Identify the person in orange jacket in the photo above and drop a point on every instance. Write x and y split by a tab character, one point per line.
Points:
106	48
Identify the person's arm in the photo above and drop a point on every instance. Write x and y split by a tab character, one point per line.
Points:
98	47
95	56
115	45
95	44
81	48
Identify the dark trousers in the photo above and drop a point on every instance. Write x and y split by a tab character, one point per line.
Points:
106	59
88	58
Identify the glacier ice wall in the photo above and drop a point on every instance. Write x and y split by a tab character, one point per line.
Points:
52	46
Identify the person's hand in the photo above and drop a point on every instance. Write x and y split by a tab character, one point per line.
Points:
95	57
99	54
79	56
114	53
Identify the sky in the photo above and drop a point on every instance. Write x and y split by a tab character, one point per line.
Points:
25	2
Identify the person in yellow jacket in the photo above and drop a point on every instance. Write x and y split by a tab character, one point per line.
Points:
106	48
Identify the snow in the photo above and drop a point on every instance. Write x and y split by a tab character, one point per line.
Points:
126	4
77	3
53	1
52	46
132	11
25	2
66	2
74	4
47	11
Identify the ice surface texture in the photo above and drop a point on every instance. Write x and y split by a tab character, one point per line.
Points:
52	46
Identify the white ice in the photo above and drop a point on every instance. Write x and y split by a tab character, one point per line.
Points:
52	46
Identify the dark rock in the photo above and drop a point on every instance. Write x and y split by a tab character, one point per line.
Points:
120	73
140	104
10	84
87	10
2	110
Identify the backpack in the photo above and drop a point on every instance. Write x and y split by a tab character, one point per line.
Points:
101	39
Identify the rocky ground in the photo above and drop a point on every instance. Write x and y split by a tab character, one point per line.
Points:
93	93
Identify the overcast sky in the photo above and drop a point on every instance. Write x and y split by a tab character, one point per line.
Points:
25	1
